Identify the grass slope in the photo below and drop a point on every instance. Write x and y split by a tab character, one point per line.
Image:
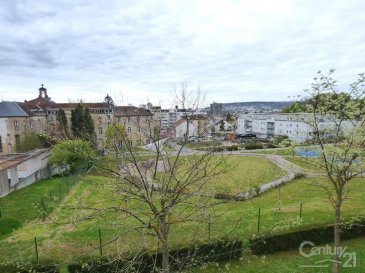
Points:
24	205
64	239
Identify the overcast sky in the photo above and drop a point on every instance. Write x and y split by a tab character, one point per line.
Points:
139	51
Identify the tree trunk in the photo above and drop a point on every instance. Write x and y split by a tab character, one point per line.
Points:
164	233
337	234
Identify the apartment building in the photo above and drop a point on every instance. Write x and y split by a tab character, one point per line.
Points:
170	116
295	126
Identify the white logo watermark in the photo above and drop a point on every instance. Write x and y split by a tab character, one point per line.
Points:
309	249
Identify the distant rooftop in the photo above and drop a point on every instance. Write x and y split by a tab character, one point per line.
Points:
11	109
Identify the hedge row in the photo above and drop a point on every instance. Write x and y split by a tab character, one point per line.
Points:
289	241
220	148
229	197
254	146
179	259
13	268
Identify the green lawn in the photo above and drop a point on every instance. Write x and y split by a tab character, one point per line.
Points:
64	238
307	164
243	174
24	205
275	151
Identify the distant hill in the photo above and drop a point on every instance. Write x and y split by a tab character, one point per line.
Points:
256	105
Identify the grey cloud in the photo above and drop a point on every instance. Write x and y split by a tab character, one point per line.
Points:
152	45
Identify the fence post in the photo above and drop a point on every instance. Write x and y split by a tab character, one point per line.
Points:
36	249
258	221
100	244
301	209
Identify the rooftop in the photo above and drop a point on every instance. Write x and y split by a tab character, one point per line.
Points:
121	111
11	109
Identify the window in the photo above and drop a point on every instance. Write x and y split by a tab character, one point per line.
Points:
16	125
139	129
30	124
17	140
129	129
129	119
100	130
1	145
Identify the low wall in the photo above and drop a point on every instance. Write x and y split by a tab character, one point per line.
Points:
34	177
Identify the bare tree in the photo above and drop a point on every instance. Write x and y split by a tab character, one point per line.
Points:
337	119
168	185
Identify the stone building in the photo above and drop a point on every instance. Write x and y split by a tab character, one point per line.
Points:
139	123
40	115
16	121
101	113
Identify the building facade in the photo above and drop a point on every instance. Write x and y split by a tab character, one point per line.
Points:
17	119
15	123
295	126
139	123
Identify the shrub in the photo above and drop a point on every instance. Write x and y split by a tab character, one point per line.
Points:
76	154
228	197
253	146
288	241
7	225
216	149
232	148
33	268
190	256
299	175
271	145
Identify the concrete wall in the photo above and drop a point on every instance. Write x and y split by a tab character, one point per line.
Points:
26	173
4	183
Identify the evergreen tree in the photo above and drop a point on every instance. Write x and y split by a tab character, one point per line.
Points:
77	117
88	127
82	124
61	118
62	122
